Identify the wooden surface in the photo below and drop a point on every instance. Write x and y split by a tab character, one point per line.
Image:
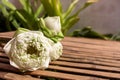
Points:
82	59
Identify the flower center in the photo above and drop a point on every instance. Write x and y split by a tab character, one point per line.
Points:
31	49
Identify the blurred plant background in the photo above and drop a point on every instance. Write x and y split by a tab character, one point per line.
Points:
28	15
99	20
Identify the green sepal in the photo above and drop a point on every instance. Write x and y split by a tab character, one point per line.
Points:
20	30
49	33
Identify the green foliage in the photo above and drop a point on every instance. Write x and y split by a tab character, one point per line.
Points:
54	8
116	36
90	33
26	17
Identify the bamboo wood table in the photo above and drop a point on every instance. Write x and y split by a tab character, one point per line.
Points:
82	59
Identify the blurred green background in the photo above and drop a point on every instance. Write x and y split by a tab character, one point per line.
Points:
103	16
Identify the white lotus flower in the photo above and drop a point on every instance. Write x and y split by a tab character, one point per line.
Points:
29	51
51	28
57	49
32	50
53	23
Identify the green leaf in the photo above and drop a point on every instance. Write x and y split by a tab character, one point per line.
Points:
89	32
4	11
15	24
48	7
57	10
38	11
70	8
26	6
27	17
87	4
8	4
69	23
116	36
21	16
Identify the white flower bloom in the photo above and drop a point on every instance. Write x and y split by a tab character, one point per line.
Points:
53	23
29	51
56	51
